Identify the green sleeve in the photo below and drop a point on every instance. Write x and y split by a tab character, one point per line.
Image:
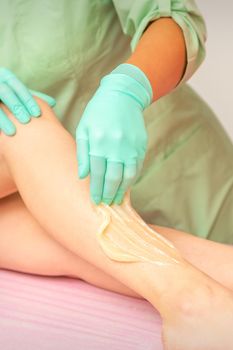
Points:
135	15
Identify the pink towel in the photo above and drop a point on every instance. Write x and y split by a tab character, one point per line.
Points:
43	313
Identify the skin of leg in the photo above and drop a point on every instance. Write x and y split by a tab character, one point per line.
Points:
213	258
19	250
73	222
25	247
29	249
61	204
53	259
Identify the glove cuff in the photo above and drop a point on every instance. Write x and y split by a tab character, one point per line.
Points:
137	74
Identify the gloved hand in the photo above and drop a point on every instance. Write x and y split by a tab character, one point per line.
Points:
111	136
19	100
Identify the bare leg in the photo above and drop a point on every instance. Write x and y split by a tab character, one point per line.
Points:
25	247
19	250
62	207
46	175
213	258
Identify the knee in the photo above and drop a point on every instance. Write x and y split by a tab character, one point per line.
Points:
29	130
46	110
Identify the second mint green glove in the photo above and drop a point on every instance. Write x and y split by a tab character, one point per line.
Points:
19	100
111	136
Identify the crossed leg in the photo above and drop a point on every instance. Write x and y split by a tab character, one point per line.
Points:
30	249
25	247
44	172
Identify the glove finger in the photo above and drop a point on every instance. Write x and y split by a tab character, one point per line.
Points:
25	96
48	99
129	175
9	98
97	169
6	125
112	180
83	157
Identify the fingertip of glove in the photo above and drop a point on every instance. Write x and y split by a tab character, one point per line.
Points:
9	131
82	173
51	101
96	199
35	112
25	119
107	201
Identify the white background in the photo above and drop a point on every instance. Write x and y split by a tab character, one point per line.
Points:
214	79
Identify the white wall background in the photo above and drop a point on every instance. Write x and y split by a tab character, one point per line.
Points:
214	79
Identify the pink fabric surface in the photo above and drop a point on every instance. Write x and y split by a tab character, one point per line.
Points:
42	313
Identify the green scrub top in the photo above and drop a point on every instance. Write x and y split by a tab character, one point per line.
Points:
63	48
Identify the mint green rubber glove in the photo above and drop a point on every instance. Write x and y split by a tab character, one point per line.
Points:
111	136
19	101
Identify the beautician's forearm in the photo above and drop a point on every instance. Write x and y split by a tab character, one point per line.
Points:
161	55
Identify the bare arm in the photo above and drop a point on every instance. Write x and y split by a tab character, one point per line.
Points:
161	55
